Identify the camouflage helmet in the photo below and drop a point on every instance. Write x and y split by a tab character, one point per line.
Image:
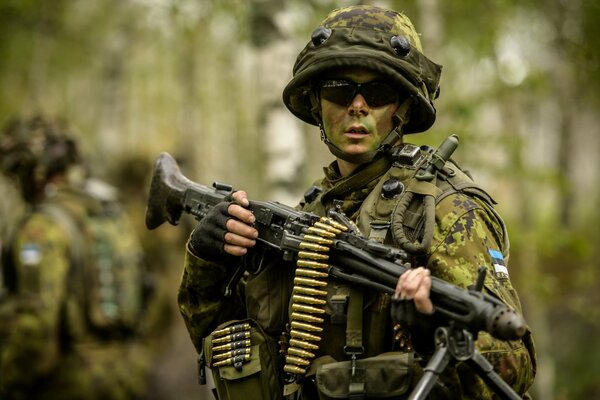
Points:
34	149
378	39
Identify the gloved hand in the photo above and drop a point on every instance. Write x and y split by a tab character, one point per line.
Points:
208	238
225	230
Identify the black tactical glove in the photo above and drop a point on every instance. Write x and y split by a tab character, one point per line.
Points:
420	326
208	238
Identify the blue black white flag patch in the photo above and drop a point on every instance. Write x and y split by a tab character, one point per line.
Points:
498	263
30	254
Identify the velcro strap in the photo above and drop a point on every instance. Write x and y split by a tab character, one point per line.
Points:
424	188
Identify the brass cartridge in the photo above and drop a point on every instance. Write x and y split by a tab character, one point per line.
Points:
304	335
309	282
309	291
306	317
293	369
307	309
306	327
311	273
232	345
317	239
297	361
308	300
300	353
311	255
311	264
302	344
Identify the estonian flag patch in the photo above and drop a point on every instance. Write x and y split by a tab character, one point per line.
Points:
498	262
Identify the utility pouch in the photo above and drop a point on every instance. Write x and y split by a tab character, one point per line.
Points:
388	375
247	369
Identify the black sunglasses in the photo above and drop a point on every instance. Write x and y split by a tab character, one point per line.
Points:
342	92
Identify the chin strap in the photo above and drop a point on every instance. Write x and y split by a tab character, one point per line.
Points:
400	119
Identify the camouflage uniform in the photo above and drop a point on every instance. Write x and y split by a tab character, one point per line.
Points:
50	347
467	232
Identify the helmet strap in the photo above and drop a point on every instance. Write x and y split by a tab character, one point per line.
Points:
400	118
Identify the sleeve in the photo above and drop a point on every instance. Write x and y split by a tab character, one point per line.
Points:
200	297
41	259
468	235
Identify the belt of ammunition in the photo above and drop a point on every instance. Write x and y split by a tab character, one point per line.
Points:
308	301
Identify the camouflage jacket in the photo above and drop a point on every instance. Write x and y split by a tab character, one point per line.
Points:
467	234
50	351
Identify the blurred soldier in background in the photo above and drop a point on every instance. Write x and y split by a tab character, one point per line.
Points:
173	372
72	275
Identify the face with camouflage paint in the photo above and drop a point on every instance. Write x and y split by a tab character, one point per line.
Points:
359	127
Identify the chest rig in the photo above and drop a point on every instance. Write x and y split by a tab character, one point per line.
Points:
398	211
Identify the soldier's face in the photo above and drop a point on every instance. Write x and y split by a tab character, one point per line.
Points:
356	118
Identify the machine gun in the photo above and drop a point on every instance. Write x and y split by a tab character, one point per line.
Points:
333	247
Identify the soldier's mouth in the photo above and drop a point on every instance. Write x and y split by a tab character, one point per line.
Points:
357	130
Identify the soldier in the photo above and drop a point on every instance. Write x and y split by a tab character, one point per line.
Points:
364	81
72	274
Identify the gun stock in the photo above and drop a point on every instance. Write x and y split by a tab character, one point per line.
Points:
171	194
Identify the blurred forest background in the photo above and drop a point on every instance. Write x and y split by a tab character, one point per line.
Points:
202	79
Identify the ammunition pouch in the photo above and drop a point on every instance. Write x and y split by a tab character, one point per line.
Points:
387	375
254	376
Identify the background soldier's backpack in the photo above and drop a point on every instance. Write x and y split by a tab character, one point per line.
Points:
105	282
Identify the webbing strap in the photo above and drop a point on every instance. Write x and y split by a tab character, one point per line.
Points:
354	343
355	321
